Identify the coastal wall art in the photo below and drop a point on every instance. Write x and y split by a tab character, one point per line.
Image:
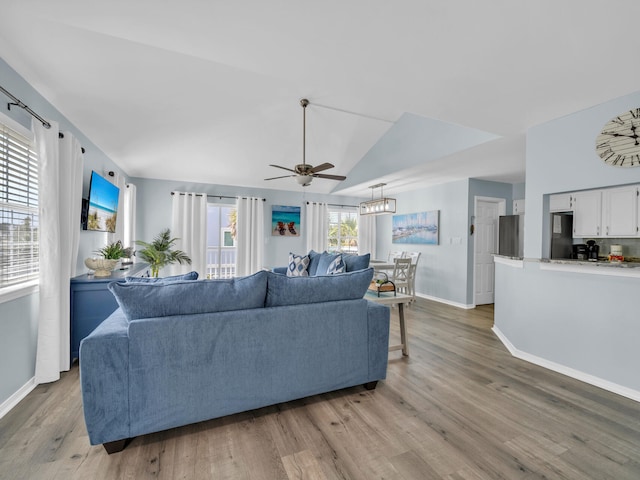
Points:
416	228
285	221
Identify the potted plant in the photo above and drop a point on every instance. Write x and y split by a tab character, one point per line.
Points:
159	252
110	256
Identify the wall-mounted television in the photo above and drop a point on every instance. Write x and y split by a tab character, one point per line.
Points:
102	205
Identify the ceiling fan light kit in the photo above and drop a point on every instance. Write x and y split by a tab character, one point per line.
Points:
378	206
303	172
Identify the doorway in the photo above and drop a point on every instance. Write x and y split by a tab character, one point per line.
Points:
487	210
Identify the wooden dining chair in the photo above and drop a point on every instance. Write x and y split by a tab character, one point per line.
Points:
414	257
400	276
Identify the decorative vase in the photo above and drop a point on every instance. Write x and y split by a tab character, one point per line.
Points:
101	266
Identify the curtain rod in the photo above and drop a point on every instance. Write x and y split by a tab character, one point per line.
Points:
61	135
214	196
336	205
18	103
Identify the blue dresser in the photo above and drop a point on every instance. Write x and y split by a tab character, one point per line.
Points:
92	302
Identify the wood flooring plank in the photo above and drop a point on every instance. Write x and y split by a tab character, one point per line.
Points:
302	466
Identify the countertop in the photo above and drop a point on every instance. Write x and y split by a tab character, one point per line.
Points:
599	263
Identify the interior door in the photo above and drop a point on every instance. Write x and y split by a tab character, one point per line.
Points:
486	244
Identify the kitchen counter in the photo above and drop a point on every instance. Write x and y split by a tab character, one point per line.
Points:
614	269
599	263
602	267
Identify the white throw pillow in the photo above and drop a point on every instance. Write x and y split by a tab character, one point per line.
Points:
298	265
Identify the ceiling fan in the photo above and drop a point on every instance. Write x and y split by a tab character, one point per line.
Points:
303	172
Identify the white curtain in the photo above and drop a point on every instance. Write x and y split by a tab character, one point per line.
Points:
367	235
60	167
250	235
317	223
189	225
129	216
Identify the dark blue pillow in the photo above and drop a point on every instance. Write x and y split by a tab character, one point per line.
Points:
314	259
173	278
356	262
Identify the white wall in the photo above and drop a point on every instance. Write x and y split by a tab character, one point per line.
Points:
588	323
445	271
154	211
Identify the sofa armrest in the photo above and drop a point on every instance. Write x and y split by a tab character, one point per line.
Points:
104	380
378	317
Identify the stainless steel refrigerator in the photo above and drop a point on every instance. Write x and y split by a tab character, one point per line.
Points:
561	235
511	235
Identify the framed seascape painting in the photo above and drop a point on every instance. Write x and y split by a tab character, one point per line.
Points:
420	228
285	221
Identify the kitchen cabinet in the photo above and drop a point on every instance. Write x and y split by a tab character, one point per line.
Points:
92	302
518	206
587	214
620	211
561	202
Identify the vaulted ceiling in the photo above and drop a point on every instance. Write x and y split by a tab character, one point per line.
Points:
409	92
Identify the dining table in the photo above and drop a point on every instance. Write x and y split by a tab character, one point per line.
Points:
381	265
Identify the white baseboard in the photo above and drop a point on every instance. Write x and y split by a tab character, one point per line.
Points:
447	302
569	372
14	399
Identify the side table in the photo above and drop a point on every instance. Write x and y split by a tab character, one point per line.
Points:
388	298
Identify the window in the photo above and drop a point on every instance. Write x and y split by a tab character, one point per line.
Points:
18	208
221	243
343	231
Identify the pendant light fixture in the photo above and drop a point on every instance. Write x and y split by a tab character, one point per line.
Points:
380	205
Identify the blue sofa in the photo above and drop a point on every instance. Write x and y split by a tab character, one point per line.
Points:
184	352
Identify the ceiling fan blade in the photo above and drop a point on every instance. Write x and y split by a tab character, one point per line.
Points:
283	168
320	168
284	176
330	177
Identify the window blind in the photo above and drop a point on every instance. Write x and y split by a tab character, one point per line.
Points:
18	208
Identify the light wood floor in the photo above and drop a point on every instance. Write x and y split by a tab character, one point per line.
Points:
460	408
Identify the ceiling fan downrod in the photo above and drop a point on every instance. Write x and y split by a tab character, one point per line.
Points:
304	102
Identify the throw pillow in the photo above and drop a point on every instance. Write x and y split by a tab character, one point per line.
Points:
356	262
314	259
329	261
336	266
298	265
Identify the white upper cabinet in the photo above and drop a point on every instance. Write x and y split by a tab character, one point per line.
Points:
561	202
587	214
620	211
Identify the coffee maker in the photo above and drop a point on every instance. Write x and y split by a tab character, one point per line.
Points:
593	251
580	251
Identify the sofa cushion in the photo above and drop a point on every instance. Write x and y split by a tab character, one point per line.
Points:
314	259
148	300
356	262
330	264
298	265
283	290
174	278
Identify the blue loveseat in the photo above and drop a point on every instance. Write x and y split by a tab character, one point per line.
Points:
184	352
